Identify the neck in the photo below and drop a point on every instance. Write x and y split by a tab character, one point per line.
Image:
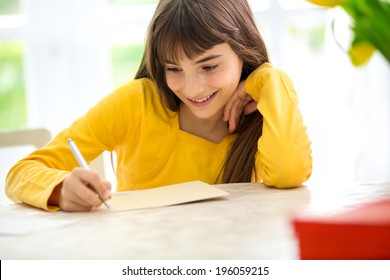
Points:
213	129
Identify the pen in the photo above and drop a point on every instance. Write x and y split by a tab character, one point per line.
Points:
80	159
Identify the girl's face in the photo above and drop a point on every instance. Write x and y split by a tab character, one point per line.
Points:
205	83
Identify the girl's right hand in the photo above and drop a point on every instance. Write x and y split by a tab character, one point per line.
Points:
82	190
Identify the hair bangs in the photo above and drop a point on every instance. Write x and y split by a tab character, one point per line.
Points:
183	35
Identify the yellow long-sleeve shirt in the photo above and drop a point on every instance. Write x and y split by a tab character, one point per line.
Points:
152	150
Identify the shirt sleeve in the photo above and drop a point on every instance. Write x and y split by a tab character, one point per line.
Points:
284	155
33	179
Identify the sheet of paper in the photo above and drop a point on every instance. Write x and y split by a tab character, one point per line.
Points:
163	196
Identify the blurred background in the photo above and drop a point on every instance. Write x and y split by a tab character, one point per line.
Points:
59	57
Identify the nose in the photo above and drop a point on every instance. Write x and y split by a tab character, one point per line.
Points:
193	86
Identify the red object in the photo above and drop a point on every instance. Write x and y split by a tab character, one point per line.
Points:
362	233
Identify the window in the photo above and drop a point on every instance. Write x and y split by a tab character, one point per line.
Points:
125	62
13	109
346	109
9	7
13	113
74	54
128	21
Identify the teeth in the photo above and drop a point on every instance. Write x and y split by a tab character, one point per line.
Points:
204	99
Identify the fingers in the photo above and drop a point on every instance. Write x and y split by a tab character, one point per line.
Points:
235	115
233	101
82	190
250	107
240	102
71	206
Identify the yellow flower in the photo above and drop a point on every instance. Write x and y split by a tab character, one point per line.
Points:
360	53
370	27
327	3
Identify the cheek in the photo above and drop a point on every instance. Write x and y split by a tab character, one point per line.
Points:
173	82
227	80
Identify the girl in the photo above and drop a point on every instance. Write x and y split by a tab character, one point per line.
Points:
205	105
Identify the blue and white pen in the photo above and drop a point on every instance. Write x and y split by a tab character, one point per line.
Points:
80	159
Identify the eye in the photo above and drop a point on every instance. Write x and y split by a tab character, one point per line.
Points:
210	68
172	69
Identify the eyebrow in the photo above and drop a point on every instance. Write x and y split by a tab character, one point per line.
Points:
205	59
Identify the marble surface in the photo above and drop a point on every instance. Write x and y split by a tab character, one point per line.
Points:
254	222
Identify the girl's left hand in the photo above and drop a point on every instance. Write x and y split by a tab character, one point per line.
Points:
240	102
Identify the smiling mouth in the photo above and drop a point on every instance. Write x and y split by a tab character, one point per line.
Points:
203	99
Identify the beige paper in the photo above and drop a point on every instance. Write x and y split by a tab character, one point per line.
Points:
163	196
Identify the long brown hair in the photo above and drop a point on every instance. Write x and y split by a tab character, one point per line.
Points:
195	26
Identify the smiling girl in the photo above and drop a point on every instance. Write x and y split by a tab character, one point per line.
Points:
206	105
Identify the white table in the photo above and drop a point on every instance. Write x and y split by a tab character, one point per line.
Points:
254	222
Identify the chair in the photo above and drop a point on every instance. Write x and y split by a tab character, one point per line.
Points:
38	137
35	137
14	145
